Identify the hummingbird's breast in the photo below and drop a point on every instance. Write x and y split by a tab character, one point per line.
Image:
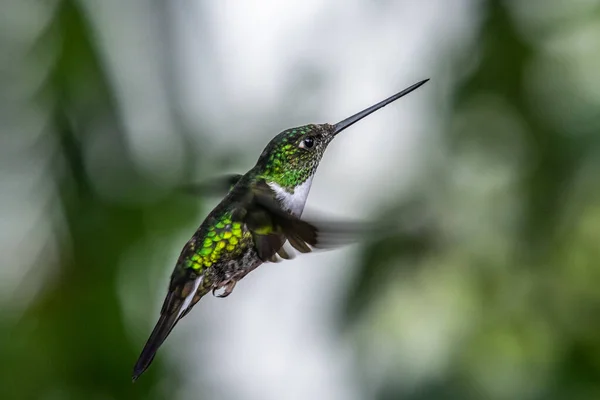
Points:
292	201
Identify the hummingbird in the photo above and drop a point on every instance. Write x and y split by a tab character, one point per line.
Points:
261	211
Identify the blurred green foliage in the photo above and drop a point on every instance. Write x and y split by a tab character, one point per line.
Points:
71	341
508	261
527	266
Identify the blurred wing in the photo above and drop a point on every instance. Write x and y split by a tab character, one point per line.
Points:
213	187
271	226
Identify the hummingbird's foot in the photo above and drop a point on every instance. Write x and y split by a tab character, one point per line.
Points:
228	286
230	282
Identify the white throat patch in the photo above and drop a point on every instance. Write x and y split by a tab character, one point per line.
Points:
293	202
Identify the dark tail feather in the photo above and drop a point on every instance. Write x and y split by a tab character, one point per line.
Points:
160	332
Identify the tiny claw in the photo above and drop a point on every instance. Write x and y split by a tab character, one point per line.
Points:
228	289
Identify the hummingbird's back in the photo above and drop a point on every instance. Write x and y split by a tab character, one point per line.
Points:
222	245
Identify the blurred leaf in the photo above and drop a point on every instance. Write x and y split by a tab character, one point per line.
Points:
72	341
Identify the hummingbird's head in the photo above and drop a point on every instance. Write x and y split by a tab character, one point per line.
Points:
292	157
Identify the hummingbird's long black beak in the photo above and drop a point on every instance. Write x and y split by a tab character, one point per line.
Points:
340	126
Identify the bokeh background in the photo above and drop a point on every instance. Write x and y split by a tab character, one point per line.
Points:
491	170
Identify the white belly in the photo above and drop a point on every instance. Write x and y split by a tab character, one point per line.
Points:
293	202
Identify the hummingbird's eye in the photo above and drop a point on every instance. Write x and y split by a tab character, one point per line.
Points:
307	143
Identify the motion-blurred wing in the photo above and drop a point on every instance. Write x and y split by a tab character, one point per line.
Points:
219	186
271	226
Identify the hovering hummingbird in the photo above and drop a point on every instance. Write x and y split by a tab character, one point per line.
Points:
259	214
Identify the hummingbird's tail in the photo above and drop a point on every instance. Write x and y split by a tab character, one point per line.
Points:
182	296
161	330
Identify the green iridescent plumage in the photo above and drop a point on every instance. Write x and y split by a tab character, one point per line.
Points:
259	214
285	162
224	238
